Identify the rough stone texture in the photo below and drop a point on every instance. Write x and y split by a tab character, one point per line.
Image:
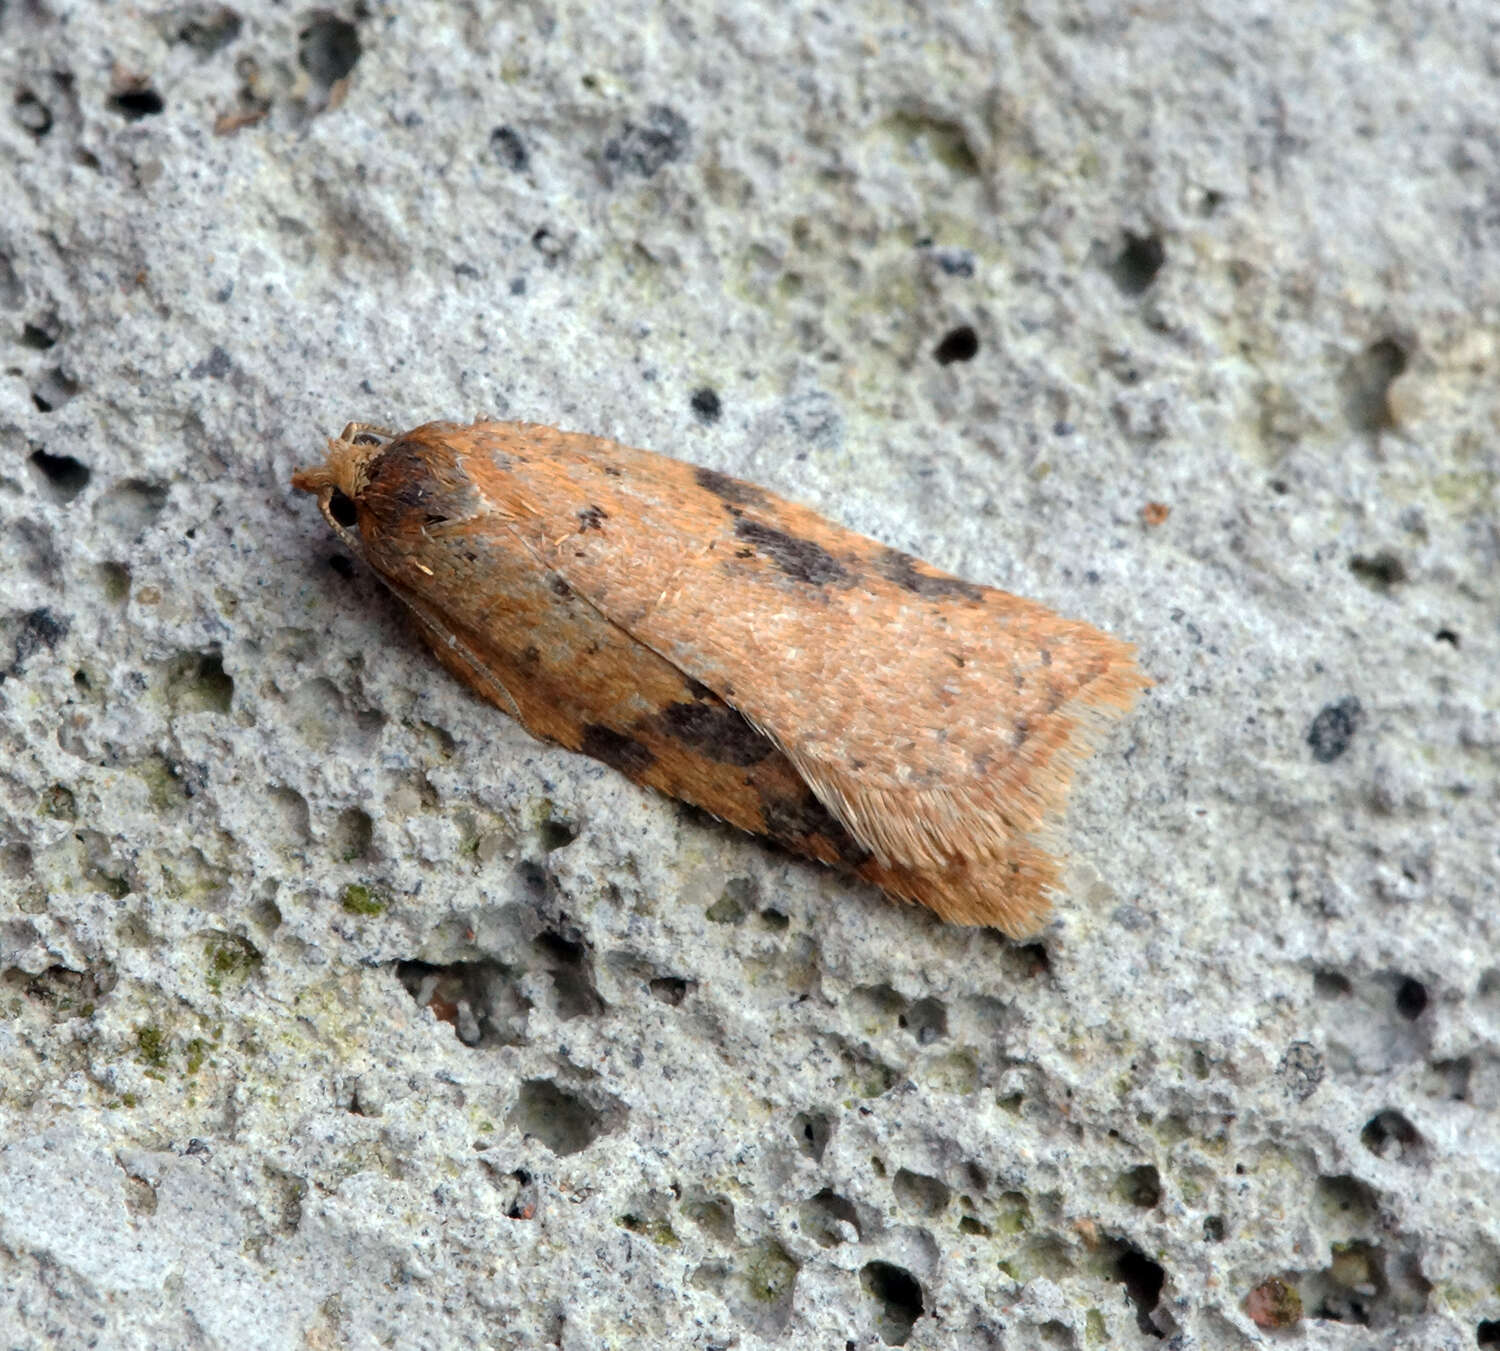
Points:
338	1013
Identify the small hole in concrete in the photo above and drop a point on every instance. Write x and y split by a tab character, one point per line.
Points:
899	1296
824	1215
32	114
920	1194
1389	1135
1367	381
927	1021
209	30
1141	1186
1331	985
353	835
811	1131
705	404
564	1123
65	476
1137	263
134	104
329	49
670	989
557	834
958	344
53	390
508	149
1333	729
1379	571
1411	998
1143	1280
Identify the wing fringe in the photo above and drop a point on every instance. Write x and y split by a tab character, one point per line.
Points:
979	852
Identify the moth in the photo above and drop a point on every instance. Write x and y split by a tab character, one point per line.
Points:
740	652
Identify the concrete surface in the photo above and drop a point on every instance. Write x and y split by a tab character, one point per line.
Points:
337	1013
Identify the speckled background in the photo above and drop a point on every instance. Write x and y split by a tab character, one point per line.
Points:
335	1012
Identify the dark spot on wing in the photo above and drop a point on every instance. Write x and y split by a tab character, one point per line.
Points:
616	750
793	821
730	489
399	476
902	569
407	477
717	731
592	518
561	588
801	559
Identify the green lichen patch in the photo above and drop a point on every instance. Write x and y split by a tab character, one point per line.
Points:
770	1274
358	899
231	958
151	1046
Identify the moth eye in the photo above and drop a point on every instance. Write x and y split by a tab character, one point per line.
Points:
341	508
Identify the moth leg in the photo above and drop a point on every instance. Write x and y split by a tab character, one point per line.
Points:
367	433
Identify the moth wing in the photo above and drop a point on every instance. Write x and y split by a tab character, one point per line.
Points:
975	778
937	719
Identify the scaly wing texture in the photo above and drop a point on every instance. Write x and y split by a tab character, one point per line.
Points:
742	653
938	721
520	636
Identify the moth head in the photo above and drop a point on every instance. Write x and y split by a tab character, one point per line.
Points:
343	477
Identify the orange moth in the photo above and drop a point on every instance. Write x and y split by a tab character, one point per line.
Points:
740	652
